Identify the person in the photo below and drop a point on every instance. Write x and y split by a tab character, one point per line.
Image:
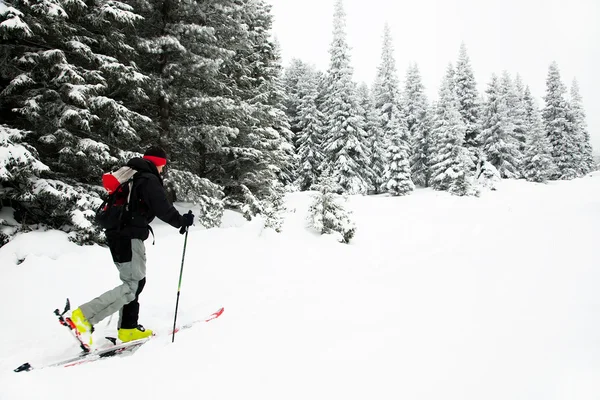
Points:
147	200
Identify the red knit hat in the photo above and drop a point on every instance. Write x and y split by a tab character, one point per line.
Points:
156	155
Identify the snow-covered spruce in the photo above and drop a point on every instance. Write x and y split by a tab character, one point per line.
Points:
327	213
376	146
518	115
538	164
497	137
418	120
294	79
451	162
345	141
586	157
468	97
395	130
72	89
558	124
399	181
310	130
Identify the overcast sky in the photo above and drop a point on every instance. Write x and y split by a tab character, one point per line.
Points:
520	36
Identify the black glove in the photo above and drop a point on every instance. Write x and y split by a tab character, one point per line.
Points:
186	220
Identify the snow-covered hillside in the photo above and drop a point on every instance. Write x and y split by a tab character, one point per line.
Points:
437	297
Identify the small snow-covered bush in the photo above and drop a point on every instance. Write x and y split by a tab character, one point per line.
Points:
274	210
328	215
487	175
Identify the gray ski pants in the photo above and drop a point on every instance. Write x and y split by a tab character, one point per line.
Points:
132	274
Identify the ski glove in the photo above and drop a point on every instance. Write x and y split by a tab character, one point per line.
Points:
186	220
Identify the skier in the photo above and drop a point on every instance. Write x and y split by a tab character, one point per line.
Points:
147	200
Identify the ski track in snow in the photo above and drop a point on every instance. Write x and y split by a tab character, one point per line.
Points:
436	297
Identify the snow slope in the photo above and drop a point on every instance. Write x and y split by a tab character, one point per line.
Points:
437	297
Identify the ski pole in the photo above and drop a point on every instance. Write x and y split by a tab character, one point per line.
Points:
180	277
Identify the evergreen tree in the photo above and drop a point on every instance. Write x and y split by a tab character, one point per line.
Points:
587	163
418	122
376	145
466	91
327	213
295	74
558	123
538	165
395	130
519	114
451	164
310	133
66	75
278	138
421	150
219	100
512	93
345	148
399	173
498	142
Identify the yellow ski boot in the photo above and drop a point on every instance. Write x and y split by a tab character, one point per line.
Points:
127	335
82	326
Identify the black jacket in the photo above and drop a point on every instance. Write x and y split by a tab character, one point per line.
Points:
148	200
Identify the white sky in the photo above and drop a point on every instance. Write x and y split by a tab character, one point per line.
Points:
520	36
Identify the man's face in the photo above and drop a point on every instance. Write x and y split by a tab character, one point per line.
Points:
160	169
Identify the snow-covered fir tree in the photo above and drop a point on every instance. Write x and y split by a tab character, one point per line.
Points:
236	132
278	138
386	92
398	173
512	92
310	126
587	163
538	164
376	144
519	113
450	162
67	80
295	74
346	154
70	82
466	92
418	120
101	81
327	213
558	123
497	138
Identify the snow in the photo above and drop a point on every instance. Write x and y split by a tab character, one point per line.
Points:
13	22
436	297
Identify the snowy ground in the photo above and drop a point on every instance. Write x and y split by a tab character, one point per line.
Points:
437	297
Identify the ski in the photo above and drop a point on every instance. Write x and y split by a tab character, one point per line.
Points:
115	349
